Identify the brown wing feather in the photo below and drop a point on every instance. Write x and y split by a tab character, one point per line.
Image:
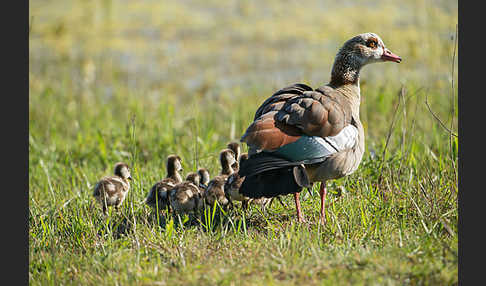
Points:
278	99
316	114
267	134
295	111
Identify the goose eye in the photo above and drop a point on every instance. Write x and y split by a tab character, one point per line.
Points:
371	43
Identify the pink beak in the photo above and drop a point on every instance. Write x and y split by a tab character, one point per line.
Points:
391	57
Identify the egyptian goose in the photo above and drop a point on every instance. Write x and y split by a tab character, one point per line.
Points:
215	189
158	196
302	135
233	184
186	197
195	178
204	178
112	190
235	147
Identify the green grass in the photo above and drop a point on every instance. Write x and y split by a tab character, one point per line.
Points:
137	81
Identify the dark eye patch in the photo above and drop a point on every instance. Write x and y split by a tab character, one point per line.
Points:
372	43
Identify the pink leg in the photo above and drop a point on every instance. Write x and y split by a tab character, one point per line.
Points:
300	217
322	192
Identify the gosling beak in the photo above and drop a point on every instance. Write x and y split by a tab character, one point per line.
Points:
388	56
130	178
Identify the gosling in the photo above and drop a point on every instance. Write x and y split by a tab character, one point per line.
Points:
112	190
204	178
186	197
158	197
215	190
235	147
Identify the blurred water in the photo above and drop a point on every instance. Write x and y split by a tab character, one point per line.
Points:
193	43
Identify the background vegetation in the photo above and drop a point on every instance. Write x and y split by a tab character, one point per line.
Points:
135	81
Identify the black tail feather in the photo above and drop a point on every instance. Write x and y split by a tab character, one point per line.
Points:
262	162
268	175
270	183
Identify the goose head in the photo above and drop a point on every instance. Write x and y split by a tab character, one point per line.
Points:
122	170
227	160
174	166
203	175
235	147
357	52
367	48
193	177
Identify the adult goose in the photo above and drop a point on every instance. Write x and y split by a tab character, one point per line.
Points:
112	190
302	135
158	197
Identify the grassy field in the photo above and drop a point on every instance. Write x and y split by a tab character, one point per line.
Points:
135	81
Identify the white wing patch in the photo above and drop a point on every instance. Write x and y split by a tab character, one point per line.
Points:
309	148
345	139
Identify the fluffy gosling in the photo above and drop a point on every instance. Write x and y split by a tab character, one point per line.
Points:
112	190
233	184
204	178
215	190
158	194
235	147
185	197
